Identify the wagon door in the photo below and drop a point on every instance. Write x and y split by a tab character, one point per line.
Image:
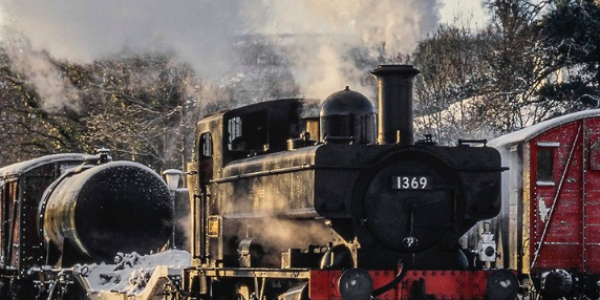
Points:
565	215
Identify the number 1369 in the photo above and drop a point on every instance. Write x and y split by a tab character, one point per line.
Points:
411	183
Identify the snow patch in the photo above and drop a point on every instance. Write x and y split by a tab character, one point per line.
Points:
543	210
130	273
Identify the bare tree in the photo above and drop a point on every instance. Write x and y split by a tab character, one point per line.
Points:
137	108
487	82
27	129
514	64
449	88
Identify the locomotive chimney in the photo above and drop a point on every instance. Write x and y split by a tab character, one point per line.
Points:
395	103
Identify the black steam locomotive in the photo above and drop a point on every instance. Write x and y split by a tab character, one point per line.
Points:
63	209
364	211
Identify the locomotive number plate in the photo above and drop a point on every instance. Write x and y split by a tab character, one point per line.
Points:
411	183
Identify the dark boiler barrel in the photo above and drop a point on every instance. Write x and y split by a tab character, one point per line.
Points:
109	208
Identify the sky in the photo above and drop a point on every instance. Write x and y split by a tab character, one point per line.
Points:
201	32
452	9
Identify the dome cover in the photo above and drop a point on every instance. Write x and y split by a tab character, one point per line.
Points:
348	117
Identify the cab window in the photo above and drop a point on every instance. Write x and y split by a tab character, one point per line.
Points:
206	144
248	132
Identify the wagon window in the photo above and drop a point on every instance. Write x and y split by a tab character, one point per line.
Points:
545	166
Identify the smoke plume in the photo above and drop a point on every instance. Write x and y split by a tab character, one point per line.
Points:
326	31
315	37
202	32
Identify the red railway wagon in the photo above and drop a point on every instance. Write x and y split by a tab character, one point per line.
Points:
549	228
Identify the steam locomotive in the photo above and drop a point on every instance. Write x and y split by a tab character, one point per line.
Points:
65	209
362	212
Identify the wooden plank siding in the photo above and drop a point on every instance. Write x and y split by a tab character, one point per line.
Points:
565	211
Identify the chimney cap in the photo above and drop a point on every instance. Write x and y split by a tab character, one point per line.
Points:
407	70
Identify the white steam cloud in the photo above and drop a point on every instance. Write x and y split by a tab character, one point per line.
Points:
327	30
54	90
81	31
202	32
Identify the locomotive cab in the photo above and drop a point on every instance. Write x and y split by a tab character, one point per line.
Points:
254	130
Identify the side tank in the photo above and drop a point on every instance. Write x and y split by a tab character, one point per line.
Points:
97	211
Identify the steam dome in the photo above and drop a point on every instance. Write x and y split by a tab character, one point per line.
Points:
348	117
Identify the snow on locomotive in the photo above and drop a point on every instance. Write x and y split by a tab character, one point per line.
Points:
549	229
65	209
362	212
